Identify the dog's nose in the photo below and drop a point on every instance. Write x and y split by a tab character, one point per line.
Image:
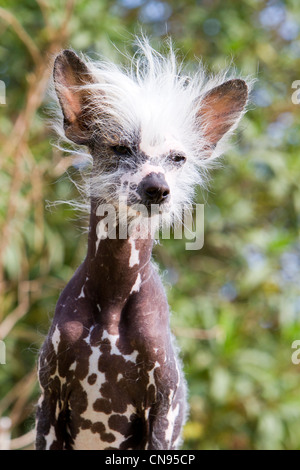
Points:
154	188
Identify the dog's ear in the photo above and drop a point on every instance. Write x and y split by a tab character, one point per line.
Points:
220	110
70	74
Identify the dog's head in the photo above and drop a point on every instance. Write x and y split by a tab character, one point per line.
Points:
151	129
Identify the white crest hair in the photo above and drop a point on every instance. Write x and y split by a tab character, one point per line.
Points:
156	96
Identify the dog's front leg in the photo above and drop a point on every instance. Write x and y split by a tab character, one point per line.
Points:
49	434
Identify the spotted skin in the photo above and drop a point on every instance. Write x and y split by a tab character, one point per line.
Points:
108	371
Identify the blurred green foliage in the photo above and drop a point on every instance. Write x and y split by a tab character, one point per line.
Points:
242	288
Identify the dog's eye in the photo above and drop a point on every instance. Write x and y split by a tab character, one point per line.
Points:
121	150
178	159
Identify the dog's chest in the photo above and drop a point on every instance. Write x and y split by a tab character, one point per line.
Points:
110	393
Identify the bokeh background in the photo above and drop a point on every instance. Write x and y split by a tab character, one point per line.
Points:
235	303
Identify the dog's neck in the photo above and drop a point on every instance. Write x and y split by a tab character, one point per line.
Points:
115	267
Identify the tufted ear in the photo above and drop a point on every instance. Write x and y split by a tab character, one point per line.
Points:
70	74
221	109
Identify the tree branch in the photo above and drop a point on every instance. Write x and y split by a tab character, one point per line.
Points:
22	34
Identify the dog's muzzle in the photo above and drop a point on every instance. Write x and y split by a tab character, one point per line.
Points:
153	189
